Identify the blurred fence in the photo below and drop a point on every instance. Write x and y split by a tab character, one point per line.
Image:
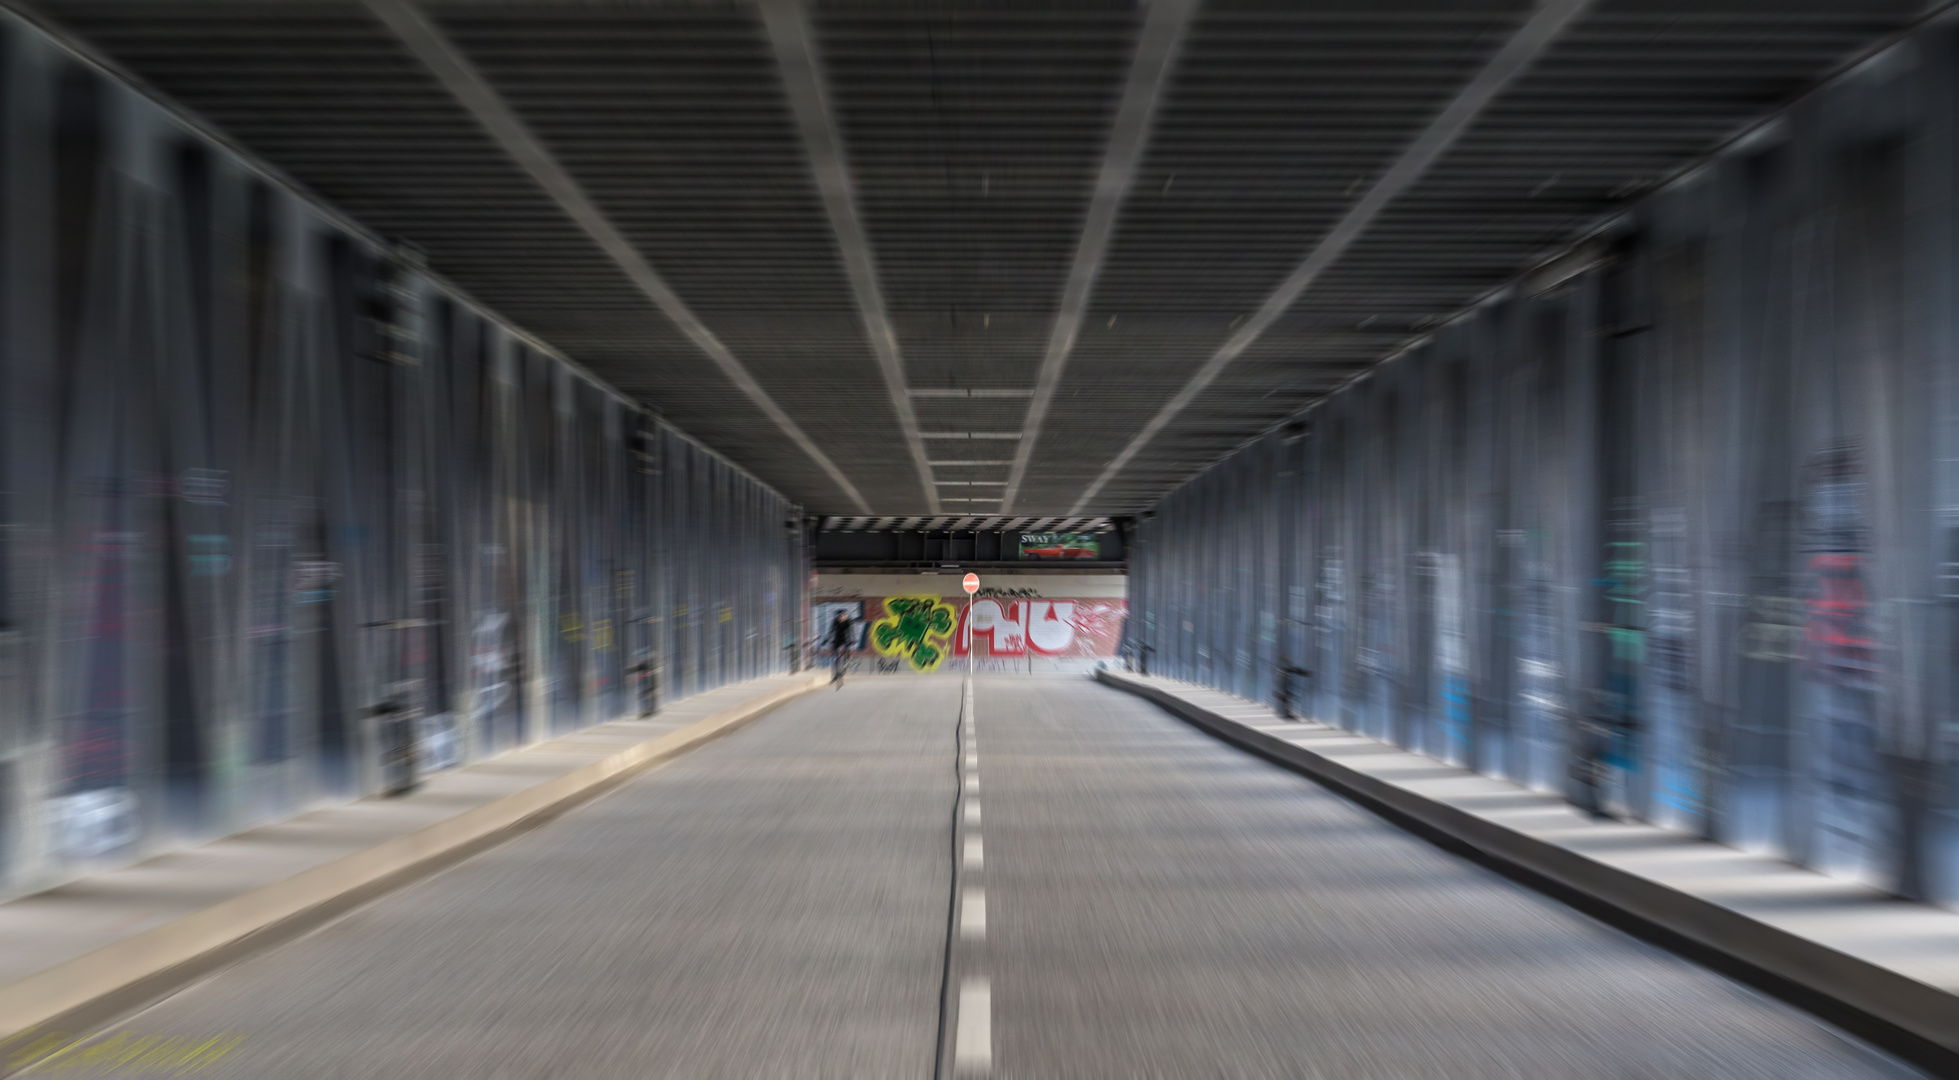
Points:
1671	526
284	521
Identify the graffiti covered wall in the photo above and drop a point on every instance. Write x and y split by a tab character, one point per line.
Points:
1006	628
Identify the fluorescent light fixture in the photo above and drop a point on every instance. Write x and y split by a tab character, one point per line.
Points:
948	464
969	434
995	393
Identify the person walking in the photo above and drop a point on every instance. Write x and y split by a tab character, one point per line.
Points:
838	641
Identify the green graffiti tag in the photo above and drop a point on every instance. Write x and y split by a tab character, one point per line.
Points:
917	628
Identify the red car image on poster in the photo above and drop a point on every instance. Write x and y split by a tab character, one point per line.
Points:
1059	551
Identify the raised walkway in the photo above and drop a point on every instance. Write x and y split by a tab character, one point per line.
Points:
79	954
1884	968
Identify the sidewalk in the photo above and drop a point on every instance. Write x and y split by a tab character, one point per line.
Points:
78	954
1883	968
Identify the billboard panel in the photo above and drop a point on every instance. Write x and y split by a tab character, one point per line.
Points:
1041	546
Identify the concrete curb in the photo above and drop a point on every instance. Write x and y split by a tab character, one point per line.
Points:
60	992
1915	1020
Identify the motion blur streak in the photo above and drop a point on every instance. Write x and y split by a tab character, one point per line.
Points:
288	520
1158	905
1566	390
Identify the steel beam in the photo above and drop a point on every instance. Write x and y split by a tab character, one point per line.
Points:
1544	26
1156	50
802	81
428	44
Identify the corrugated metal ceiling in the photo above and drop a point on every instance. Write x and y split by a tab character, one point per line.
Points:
974	136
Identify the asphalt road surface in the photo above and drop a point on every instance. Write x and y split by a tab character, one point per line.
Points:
1157	904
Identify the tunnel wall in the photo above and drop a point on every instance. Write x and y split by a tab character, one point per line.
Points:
1671	526
279	507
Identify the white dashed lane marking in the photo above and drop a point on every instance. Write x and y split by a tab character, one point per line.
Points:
972	1050
972	915
972	1033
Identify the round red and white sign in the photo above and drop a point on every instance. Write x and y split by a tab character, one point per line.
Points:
972	584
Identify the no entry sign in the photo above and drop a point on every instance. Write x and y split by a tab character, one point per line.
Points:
972	584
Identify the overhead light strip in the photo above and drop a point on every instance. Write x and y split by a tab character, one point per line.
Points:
460	77
1544	26
1149	70
803	83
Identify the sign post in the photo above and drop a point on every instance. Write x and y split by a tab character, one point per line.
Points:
971	582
